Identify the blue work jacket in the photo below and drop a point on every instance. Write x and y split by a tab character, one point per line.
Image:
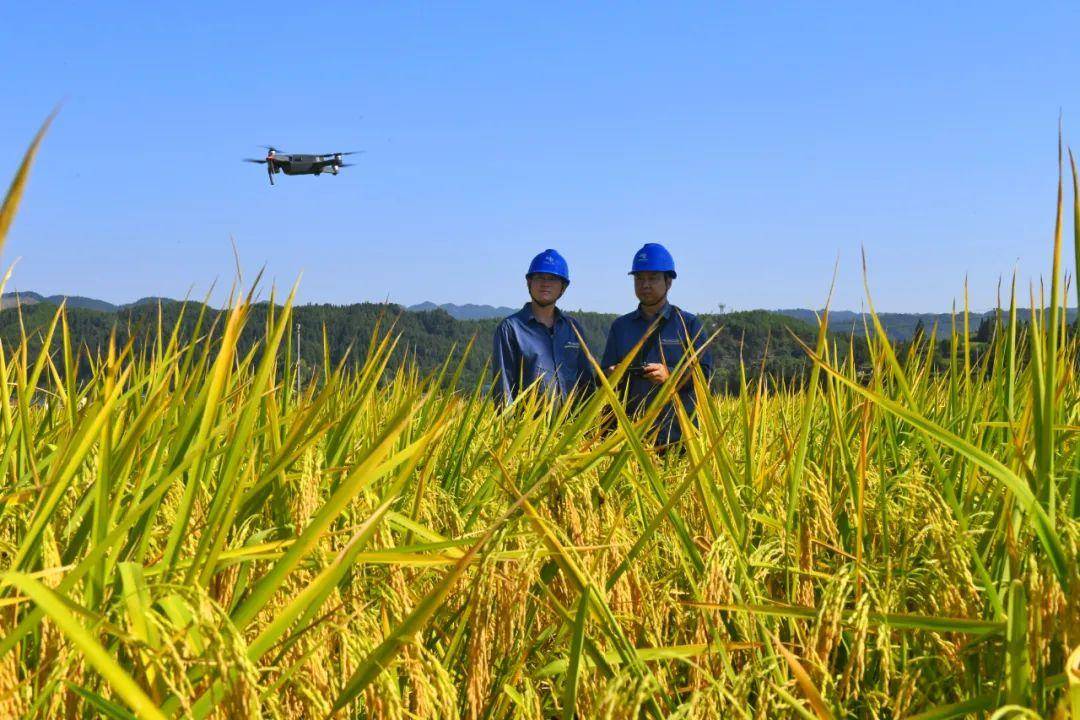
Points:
526	350
667	344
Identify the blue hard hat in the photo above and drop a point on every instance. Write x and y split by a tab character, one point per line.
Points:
653	257
550	262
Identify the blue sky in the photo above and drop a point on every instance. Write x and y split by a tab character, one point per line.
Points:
761	142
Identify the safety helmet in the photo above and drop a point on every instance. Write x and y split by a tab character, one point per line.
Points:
550	262
653	257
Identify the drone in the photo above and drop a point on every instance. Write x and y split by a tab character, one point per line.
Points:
292	164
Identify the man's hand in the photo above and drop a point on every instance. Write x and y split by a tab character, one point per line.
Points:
655	373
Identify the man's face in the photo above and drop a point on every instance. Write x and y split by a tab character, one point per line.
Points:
545	289
651	287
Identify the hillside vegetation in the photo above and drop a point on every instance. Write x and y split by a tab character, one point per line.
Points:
427	338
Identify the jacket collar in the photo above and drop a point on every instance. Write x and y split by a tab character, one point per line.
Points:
665	312
526	314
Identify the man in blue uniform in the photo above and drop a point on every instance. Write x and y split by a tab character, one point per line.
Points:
538	343
674	331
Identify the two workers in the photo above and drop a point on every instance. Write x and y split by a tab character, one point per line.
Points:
538	344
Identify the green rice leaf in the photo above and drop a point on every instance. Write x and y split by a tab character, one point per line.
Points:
96	655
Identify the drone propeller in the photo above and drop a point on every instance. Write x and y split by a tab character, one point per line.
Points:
271	148
346	164
255	161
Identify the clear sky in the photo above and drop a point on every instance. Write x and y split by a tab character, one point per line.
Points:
760	142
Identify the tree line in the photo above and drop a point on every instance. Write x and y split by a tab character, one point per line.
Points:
424	338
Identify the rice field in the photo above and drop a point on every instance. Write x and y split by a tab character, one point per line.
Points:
194	533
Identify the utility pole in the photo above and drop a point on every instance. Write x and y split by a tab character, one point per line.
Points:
297	360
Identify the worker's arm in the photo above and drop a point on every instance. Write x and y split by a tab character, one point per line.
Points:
505	364
611	353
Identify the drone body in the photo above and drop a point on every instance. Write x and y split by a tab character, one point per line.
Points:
294	164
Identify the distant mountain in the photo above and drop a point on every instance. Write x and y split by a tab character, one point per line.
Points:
83	303
898	326
151	300
467	311
901	326
11	299
14	298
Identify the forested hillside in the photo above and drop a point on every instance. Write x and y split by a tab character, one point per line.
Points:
427	337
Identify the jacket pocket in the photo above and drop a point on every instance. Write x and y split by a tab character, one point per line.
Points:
672	350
